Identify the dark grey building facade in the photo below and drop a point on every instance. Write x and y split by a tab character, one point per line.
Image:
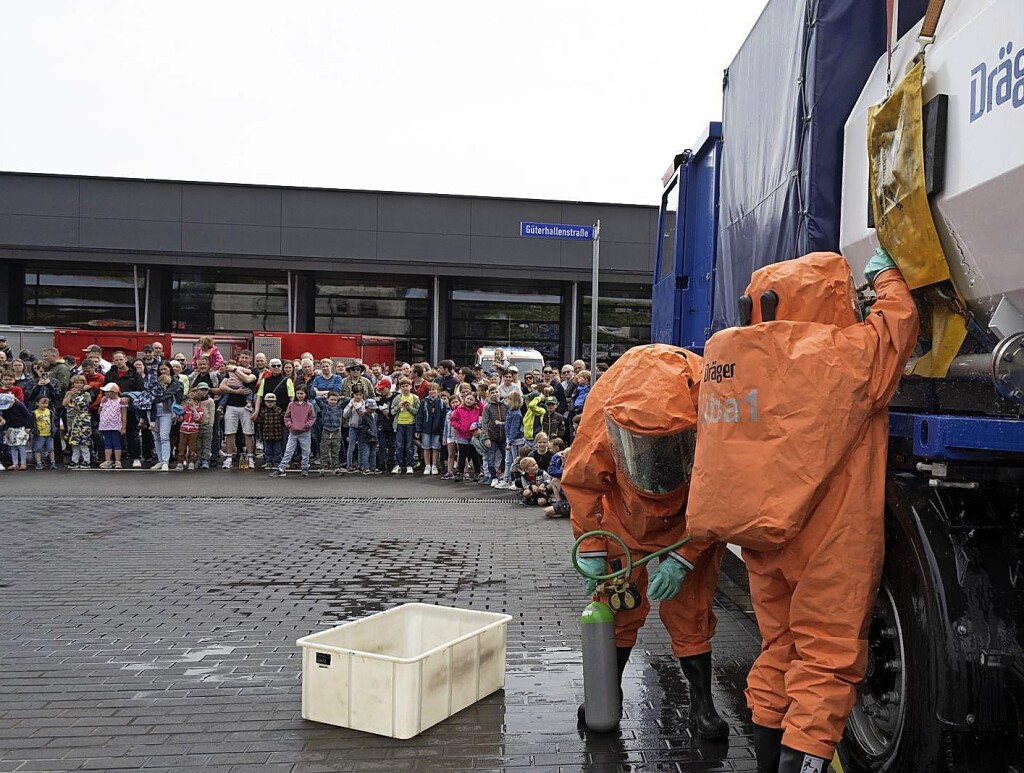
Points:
442	274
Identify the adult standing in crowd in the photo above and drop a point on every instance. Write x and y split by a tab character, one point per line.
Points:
5	349
59	371
101	364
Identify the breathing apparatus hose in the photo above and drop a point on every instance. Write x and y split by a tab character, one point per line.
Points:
627	570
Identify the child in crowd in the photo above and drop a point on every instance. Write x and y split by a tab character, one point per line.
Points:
466	423
448	437
404	408
492	425
514	439
45	427
559	507
517	469
367	438
430	420
113	420
16	420
271	421
299	419
536	483
330	434
541	452
501	362
78	422
385	425
188	434
204	441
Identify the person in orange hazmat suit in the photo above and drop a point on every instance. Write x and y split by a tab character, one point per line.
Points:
790	465
629	474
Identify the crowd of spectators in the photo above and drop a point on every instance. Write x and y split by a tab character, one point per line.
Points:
501	428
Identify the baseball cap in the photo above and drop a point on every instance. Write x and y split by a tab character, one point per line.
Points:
270	397
371	405
147	348
384	383
513	369
551	401
354	365
93	348
111	387
203	386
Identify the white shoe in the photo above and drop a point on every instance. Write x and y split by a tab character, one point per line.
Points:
428	470
252	462
502	485
495	483
408	470
155	467
136	463
191	465
2	468
396	470
180	467
164	467
227	463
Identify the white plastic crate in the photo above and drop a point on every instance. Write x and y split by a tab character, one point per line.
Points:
396	673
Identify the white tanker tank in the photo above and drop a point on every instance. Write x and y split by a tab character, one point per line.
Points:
977	59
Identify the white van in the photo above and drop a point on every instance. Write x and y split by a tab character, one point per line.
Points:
524	359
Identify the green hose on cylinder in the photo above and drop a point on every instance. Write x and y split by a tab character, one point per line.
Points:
602	696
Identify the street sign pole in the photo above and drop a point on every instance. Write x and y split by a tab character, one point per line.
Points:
593	302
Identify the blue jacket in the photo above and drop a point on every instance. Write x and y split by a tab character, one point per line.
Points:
430	416
514	428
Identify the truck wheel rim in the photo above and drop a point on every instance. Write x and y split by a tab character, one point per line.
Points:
876	722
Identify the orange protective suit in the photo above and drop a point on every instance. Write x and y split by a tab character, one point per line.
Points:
790	464
653	391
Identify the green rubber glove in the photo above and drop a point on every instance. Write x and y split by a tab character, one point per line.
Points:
666	580
592	566
880	261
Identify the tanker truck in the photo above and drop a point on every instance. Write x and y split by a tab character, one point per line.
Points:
785	173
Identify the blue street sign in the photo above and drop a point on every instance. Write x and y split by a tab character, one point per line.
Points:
557	231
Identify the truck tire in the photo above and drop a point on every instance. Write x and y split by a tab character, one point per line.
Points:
893	727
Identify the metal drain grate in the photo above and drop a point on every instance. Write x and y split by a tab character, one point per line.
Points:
321	500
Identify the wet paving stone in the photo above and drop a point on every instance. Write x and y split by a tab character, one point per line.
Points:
159	633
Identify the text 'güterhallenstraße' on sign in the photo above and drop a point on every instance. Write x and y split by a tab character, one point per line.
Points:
556	231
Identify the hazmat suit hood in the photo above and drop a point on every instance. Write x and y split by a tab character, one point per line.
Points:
652	440
814	288
650	392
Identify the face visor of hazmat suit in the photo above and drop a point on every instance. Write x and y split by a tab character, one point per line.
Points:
652	434
652	464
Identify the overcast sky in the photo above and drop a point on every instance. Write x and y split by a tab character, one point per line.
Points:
583	101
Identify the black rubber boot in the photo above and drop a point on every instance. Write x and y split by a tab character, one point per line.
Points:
767	748
621	658
793	761
697	670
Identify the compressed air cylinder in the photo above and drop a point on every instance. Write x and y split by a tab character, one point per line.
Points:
600	672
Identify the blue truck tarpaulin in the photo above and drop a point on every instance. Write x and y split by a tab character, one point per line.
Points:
788	94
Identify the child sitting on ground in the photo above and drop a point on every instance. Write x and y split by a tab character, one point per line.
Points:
516	469
536	482
559	507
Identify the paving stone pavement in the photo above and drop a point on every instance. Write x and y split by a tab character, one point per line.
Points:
156	633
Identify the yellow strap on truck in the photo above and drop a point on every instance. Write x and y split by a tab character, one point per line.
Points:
903	219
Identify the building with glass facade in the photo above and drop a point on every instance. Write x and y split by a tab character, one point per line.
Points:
441	274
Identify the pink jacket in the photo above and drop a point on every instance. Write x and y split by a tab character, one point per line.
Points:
216	358
463	417
299	417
